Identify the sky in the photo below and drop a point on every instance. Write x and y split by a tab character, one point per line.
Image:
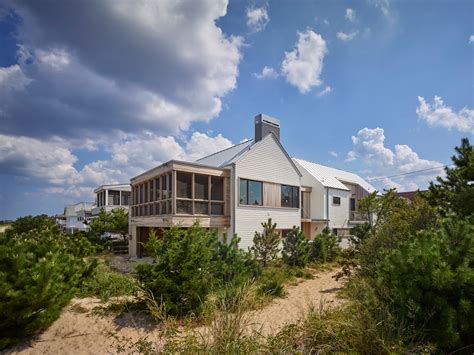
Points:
95	92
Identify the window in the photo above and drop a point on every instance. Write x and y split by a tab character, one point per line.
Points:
243	192
353	204
251	192
125	198
183	181
164	188
201	208
157	189
201	187
217	209
184	207
290	196
217	188
336	200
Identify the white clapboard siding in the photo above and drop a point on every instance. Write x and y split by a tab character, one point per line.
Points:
267	162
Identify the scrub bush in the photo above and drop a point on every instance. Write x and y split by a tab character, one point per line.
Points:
40	271
233	266
325	247
182	274
265	244
295	248
429	280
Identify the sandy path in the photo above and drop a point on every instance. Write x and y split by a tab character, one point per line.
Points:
323	289
78	331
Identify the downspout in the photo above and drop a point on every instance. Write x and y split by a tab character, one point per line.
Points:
327	205
233	191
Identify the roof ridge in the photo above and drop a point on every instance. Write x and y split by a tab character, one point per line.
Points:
223	150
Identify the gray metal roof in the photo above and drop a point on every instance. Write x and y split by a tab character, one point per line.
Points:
226	156
333	178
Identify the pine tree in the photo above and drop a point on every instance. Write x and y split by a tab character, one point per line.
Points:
265	244
325	247
455	193
295	248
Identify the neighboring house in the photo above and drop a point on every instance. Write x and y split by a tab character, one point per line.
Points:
410	195
76	215
109	197
233	191
333	200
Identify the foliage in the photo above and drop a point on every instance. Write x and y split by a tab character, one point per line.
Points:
455	193
265	244
295	248
105	283
40	272
114	222
325	247
400	220
182	273
429	280
29	223
271	287
233	266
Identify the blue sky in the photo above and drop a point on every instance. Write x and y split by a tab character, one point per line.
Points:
94	93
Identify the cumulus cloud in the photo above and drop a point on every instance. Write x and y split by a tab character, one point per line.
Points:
325	91
346	37
350	15
257	18
471	39
302	66
53	164
370	150
165	65
438	114
267	72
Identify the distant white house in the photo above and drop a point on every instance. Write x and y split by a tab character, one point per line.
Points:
76	215
233	191
109	197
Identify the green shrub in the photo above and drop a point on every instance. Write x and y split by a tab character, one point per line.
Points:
29	223
233	266
325	247
429	280
39	273
295	248
265	244
104	284
182	274
271	287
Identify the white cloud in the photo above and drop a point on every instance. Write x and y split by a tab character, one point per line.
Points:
32	158
12	78
370	150
350	15
326	22
471	39
257	19
302	66
438	114
343	36
267	72
51	163
333	153
325	91
79	88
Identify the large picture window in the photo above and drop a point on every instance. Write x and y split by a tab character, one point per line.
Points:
290	196
251	192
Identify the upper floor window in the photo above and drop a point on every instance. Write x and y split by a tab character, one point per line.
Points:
336	200
251	192
184	184
201	187
290	196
